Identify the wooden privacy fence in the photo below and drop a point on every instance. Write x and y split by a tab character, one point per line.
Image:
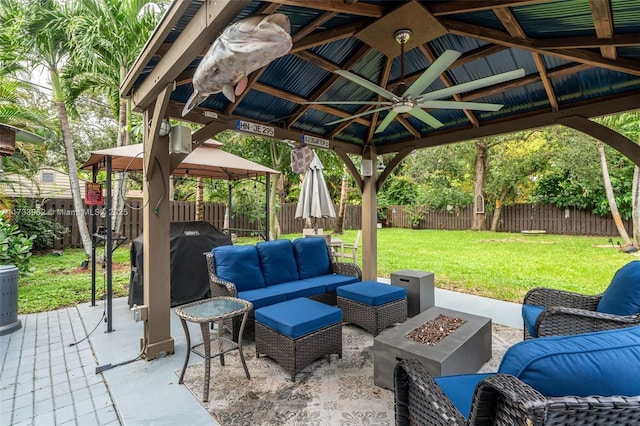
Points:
515	218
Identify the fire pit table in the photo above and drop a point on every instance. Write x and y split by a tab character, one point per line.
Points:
464	350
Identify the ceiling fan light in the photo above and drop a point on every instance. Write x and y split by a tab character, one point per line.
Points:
402	107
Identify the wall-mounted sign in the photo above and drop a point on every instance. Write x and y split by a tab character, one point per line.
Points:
93	194
246	126
312	140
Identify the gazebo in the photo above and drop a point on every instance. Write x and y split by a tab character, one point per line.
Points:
580	59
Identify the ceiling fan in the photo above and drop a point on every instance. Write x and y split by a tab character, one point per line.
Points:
412	100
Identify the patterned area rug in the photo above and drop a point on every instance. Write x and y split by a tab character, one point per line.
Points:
327	392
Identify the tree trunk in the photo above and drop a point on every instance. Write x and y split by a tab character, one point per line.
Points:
78	205
480	177
635	205
344	187
497	213
613	206
200	199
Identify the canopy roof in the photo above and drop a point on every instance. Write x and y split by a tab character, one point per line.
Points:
580	57
207	160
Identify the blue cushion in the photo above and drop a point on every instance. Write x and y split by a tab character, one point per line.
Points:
277	261
297	317
460	389
622	297
300	288
312	257
240	265
371	293
333	281
603	363
530	314
263	296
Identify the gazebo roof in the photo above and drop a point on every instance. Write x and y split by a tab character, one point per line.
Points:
580	57
206	160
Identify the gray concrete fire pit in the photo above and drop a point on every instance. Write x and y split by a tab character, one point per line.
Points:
463	351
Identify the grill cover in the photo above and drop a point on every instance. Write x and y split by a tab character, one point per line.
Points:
189	277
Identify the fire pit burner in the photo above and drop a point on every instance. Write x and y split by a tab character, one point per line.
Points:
432	332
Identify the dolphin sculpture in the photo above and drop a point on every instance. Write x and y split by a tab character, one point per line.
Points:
242	48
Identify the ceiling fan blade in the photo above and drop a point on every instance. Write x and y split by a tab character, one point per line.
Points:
476	106
366	84
425	117
371	111
472	85
347	103
429	76
387	120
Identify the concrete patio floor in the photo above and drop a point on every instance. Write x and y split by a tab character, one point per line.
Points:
45	380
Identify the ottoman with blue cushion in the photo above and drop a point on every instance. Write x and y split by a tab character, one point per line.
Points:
372	305
296	332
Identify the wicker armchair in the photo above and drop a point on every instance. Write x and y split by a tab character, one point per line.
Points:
501	399
550	312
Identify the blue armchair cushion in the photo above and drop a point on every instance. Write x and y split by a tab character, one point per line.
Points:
278	261
530	314
297	317
240	265
312	257
460	388
371	293
602	363
622	297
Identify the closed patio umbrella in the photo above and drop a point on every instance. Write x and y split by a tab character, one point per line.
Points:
314	201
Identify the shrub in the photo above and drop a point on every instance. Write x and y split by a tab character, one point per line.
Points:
34	221
15	247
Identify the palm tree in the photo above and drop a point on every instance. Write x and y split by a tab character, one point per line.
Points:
110	33
38	27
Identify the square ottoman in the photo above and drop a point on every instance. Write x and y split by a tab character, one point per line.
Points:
296	332
372	305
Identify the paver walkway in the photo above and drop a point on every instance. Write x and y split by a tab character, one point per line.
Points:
47	380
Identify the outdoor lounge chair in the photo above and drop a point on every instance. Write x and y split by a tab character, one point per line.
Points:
582	379
550	312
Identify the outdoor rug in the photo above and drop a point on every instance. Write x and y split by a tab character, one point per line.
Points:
327	392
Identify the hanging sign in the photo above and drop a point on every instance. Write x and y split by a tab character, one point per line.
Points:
246	126
93	194
312	140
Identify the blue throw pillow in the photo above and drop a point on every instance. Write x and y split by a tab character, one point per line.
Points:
277	261
312	257
602	363
240	265
622	297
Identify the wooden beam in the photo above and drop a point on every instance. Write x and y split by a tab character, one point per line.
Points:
612	138
588	42
492	36
353	170
542	70
154	44
603	21
510	22
320	20
529	120
339	6
327	36
453	7
401	155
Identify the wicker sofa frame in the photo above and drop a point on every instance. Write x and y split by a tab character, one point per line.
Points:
501	400
572	313
220	287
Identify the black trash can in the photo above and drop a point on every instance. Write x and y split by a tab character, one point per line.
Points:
9	321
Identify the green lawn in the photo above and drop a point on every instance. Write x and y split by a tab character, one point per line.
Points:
497	265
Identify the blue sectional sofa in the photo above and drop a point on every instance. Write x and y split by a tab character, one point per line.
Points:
579	379
276	271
